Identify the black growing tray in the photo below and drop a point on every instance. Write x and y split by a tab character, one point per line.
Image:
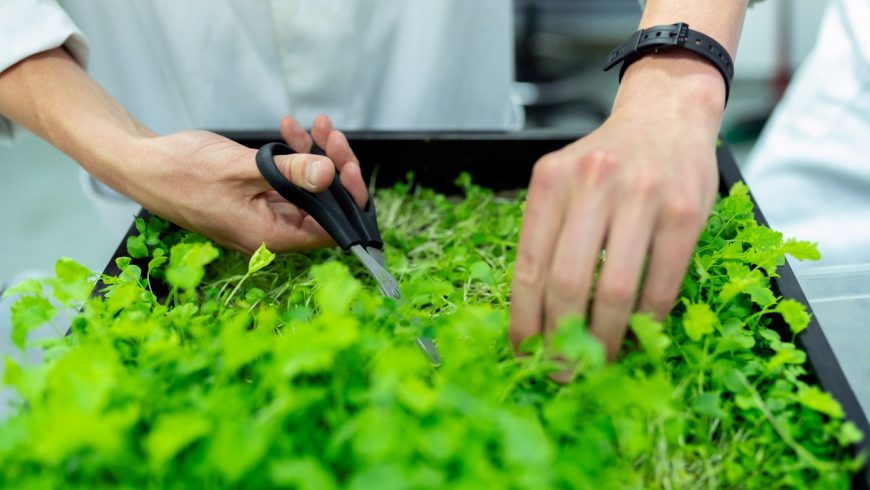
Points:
504	161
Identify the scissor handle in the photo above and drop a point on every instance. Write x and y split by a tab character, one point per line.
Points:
334	209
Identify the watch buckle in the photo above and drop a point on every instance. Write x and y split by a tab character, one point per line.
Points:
682	33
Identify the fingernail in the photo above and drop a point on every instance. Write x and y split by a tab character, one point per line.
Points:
311	173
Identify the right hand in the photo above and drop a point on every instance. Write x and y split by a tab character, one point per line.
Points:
211	185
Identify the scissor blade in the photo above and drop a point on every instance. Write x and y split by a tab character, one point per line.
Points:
373	260
389	286
428	347
378	255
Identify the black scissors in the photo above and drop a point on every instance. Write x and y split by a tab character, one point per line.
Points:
351	227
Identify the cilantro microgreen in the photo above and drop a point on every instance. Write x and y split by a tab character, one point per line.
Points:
292	371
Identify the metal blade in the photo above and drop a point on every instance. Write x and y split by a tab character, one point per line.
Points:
428	347
388	284
378	255
373	260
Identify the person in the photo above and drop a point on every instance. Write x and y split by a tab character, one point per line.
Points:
809	170
642	184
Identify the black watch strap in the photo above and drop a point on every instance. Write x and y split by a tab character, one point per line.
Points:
661	38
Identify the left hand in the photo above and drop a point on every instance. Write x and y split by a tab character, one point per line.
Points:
640	186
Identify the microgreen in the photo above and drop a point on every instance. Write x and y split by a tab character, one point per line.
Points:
221	371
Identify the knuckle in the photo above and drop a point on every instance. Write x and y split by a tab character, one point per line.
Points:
566	285
615	292
527	271
646	184
682	210
596	167
289	166
546	172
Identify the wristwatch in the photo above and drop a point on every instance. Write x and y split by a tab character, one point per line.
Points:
665	37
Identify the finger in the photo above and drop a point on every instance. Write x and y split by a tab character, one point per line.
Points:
672	248
295	135
339	150
573	266
625	250
352	180
282	226
268	218
313	173
320	130
577	251
541	221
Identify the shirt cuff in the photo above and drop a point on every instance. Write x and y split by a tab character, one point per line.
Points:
36	26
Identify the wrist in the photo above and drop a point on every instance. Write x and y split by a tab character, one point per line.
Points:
116	160
673	82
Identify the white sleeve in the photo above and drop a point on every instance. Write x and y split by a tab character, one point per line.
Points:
30	27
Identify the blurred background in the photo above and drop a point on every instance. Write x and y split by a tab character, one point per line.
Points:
560	45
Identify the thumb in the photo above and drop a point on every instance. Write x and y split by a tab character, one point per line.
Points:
313	173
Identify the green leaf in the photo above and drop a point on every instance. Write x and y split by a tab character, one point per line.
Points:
794	314
650	334
737	203
187	263
336	287
385	476
261	258
27	286
303	474
760	293
699	320
172	433
849	433
801	250
573	342
28	313
786	354
159	259
136	246
814	398
708	404
524	441
735	337
121	296
12	372
73	282
236	447
482	272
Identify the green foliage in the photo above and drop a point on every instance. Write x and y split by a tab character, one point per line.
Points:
293	372
699	320
261	258
187	263
28	313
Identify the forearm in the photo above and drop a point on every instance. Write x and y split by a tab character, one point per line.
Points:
683	75
50	95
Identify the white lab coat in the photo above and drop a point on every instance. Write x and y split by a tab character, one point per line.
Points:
242	64
810	170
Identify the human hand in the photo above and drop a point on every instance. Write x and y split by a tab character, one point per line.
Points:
640	187
210	184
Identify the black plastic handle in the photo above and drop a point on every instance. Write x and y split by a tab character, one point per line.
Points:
334	209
